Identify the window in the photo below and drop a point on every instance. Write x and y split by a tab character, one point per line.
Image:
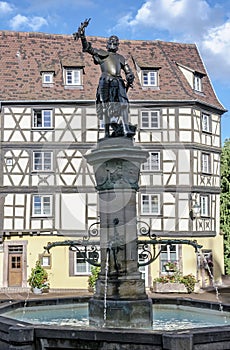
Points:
9	161
45	260
47	78
205	163
43	118
204	205
81	266
149	78
42	161
42	205
101	124
150	119
197	83
150	204
206	123
153	162
72	76
169	253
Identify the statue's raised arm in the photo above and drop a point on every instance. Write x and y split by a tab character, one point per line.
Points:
111	99
81	30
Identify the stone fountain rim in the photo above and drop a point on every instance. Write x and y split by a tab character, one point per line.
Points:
16	332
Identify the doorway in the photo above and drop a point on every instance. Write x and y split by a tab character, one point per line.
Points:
15	266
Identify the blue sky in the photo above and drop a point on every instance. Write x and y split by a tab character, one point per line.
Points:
204	22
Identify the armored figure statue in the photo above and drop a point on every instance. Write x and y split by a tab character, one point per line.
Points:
112	103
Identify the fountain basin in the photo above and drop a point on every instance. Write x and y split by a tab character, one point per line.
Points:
25	335
165	317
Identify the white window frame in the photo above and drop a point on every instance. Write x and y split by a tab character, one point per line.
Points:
204	205
9	161
47	78
197	83
150	78
143	269
42	202
86	267
153	162
42	160
169	255
42	119
206	122
206	163
72	76
150	119
147	202
45	260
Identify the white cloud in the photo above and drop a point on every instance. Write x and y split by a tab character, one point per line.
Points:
188	21
20	22
217	39
177	17
5	7
216	48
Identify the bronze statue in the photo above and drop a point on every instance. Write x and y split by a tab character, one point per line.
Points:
112	103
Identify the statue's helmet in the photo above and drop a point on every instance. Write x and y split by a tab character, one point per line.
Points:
112	43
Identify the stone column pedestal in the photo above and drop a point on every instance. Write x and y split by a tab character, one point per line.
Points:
120	299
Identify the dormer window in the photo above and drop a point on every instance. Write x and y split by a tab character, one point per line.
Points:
197	82
148	72
193	77
47	77
73	76
150	78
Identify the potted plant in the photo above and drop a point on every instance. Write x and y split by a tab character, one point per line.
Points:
93	278
38	279
170	266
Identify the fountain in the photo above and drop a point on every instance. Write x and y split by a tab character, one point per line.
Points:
120	312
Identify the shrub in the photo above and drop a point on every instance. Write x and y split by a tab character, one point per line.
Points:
189	282
94	276
38	277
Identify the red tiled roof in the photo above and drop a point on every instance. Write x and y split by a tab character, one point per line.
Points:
25	55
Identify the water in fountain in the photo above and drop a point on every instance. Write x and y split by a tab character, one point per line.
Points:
26	301
106	285
28	293
166	317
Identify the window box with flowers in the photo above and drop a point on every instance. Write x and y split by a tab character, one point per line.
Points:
175	283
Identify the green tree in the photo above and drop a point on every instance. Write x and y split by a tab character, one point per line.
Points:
225	202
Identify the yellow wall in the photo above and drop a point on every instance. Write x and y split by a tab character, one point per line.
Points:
189	259
1	264
59	271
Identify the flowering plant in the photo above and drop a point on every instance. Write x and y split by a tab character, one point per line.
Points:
93	277
170	266
188	280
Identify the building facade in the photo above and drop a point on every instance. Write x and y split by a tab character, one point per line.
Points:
48	124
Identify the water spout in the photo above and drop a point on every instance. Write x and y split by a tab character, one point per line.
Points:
106	285
207	267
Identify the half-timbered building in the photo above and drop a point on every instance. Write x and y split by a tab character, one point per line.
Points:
48	124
